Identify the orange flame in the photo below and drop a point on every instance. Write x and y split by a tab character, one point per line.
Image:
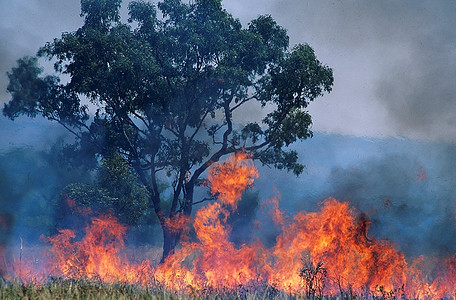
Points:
178	223
98	255
229	179
329	251
214	262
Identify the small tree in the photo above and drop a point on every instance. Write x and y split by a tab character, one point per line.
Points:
167	91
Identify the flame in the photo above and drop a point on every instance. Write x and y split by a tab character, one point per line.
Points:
278	217
229	179
214	262
98	255
73	206
333	236
178	223
328	251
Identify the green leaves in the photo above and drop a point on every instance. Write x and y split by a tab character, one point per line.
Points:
281	159
166	90
116	190
26	88
291	85
285	129
273	40
299	79
144	13
33	95
252	131
100	13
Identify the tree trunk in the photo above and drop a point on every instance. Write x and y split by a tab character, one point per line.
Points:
188	198
171	239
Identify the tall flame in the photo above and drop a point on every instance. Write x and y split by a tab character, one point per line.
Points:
214	262
328	251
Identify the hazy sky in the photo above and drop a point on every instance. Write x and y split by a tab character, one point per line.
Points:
394	61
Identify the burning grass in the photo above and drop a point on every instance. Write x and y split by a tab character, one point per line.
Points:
317	254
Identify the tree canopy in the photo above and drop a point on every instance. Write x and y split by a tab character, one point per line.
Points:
168	86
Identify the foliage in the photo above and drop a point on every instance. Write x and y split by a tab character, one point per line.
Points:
116	190
168	89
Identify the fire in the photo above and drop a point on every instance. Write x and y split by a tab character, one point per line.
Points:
178	223
98	255
328	252
333	236
214	262
229	179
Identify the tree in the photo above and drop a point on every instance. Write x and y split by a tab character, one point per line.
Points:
167	91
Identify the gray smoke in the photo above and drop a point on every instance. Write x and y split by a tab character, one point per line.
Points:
406	188
419	90
27	25
414	209
394	64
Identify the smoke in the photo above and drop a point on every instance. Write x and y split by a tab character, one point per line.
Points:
393	63
31	176
28	25
27	190
406	203
405	188
418	89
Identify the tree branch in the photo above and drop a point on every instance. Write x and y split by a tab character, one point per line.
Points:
213	198
176	194
242	102
209	109
223	150
66	127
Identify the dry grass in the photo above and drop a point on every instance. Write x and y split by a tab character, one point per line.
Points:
83	289
71	289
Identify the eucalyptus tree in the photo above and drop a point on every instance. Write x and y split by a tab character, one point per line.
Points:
168	86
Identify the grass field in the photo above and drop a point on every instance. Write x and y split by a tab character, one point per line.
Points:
81	289
70	289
